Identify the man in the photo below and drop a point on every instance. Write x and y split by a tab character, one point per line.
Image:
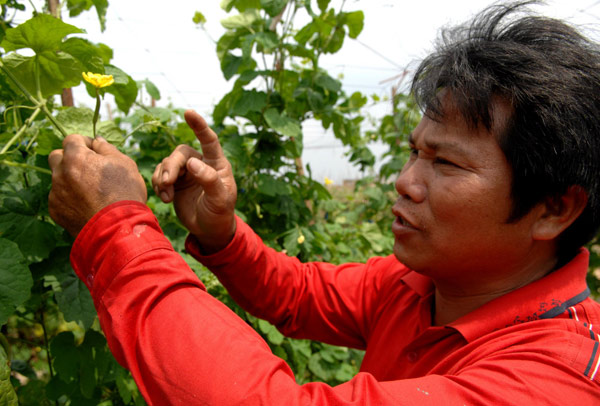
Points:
484	300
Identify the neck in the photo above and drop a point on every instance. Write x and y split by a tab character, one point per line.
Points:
449	308
453	302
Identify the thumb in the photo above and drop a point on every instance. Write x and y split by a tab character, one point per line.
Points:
206	176
103	147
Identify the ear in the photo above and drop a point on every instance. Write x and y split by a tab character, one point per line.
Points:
558	213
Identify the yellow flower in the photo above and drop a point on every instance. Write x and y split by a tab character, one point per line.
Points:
328	181
98	80
300	239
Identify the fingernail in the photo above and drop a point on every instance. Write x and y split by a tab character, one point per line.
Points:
164	196
165	176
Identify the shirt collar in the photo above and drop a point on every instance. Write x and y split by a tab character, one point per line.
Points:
542	299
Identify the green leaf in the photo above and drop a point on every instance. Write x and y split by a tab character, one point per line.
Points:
335	42
273	335
271	186
125	385
345	372
57	388
58	70
72	296
282	123
151	89
355	22
323	5
93	355
65	356
288	82
88	54
15	279
105	52
230	64
273	7
320	368
290	242
244	20
240	5
41	33
199	18
229	40
268	40
101	7
78	120
8	397
110	131
124	89
357	100
34	237
300	51
223	108
306	33
252	100
327	82
76	7
33	394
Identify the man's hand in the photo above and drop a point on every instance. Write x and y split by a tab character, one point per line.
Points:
201	186
88	175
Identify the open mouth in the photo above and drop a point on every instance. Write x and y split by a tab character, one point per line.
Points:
403	221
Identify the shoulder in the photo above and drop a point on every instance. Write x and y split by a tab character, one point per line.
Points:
563	345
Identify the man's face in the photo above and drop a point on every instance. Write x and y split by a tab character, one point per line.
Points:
453	205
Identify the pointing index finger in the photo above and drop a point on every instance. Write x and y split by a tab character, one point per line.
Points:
211	148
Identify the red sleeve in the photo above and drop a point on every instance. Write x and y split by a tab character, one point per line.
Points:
184	347
316	300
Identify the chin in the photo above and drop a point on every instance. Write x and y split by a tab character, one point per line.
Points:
411	261
401	254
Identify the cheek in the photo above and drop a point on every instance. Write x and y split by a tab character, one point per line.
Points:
467	204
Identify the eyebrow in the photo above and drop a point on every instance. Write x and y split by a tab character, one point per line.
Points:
436	146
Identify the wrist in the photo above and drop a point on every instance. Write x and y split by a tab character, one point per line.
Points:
210	243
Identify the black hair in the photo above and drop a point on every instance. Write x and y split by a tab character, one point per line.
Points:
549	73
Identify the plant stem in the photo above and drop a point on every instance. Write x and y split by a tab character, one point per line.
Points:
18	84
25	166
38	103
46	343
140	126
21	130
96	112
53	121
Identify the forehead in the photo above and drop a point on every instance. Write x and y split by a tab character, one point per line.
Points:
451	126
453	109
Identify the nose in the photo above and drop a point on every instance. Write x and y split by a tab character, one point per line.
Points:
410	183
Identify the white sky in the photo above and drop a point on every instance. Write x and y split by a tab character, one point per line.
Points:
157	40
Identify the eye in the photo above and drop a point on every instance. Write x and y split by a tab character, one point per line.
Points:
442	161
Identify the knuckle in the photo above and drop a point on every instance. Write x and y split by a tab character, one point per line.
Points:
181	148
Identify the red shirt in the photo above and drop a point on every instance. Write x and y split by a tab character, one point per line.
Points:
537	345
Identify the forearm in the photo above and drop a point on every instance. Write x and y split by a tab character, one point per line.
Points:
316	300
181	345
